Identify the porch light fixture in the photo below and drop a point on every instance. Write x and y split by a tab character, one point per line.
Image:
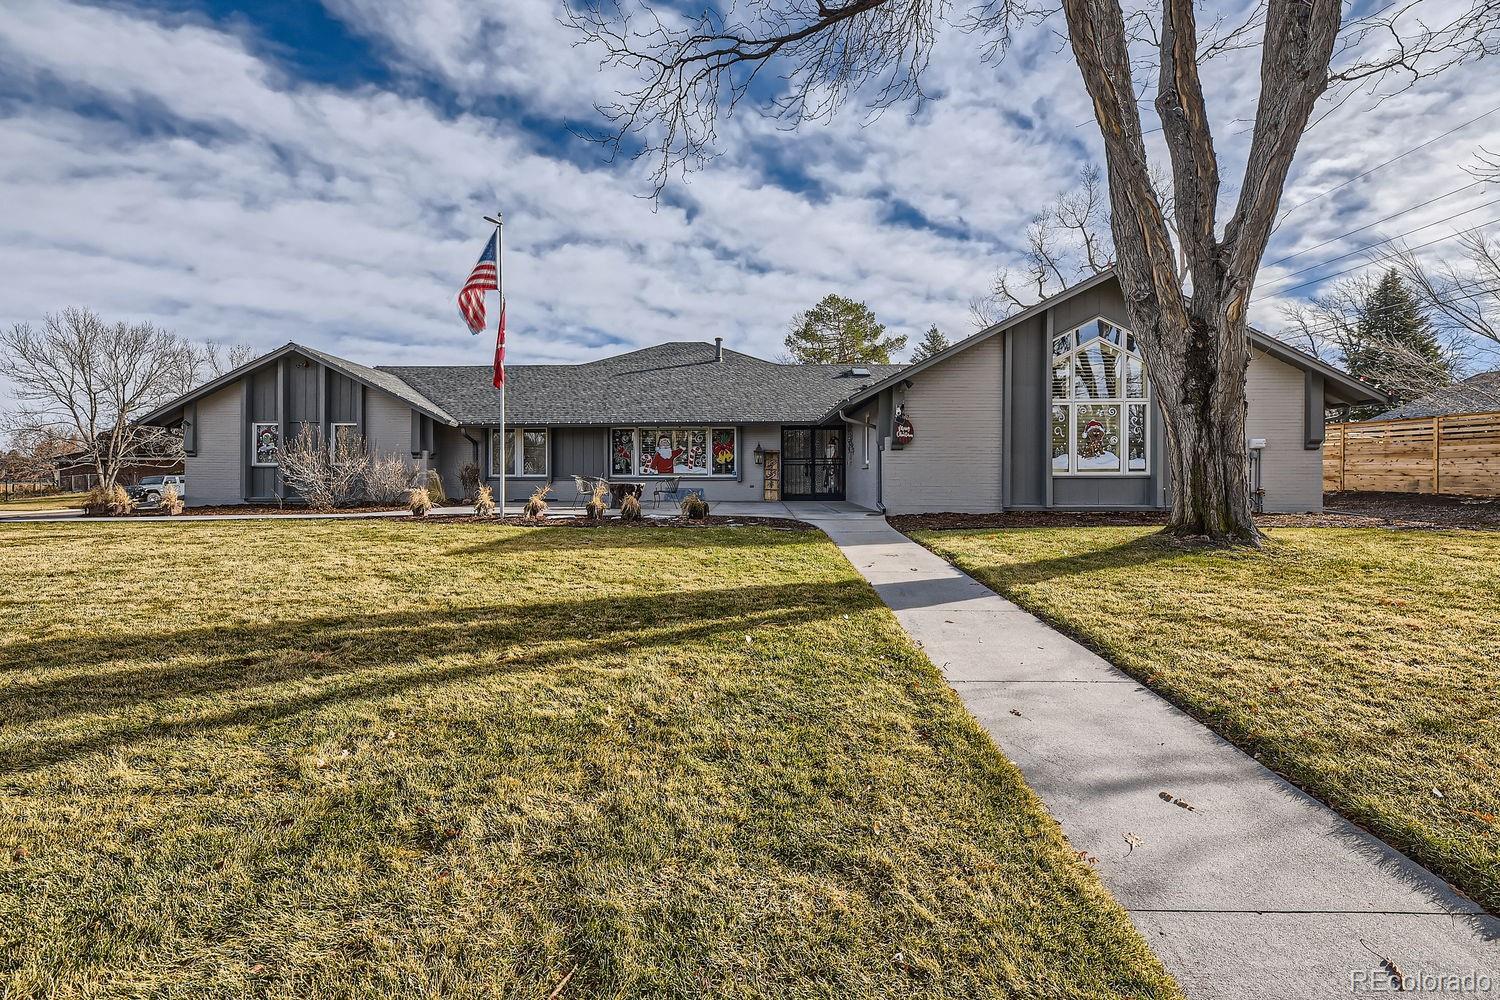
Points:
759	454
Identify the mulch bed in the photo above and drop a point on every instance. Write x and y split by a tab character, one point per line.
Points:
265	508
579	521
1340	510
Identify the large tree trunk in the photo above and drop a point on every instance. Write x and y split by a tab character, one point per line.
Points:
1204	409
1196	345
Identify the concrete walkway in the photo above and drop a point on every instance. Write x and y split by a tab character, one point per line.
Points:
1259	890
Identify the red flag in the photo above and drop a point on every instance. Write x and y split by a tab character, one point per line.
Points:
500	349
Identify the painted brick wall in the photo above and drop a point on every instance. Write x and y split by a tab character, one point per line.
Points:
213	475
387	424
1291	475
954	463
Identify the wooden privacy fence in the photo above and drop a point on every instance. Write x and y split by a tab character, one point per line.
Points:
1453	454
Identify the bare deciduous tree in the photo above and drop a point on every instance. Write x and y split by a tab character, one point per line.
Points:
1379	335
88	380
1462	296
325	475
1196	342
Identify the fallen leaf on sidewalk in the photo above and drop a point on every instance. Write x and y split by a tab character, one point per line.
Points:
1179	803
1133	841
1017	713
1398	977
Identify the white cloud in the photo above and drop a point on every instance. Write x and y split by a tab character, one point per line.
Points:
227	200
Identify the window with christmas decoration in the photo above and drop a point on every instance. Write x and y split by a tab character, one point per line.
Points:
1099	401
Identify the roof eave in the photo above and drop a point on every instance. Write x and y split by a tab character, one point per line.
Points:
214	385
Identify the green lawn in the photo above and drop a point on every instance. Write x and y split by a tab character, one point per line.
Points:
361	759
46	501
1364	664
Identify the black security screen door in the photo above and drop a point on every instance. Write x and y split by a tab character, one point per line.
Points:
812	463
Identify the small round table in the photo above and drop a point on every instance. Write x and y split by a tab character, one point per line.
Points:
622	490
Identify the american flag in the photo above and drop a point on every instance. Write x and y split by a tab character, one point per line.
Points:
484	278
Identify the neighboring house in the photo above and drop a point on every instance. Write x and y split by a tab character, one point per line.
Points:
1475	394
76	471
1048	409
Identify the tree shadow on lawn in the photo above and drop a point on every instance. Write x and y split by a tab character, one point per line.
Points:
1132	554
292	654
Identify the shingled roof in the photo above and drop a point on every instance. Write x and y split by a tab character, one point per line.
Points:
1475	394
682	382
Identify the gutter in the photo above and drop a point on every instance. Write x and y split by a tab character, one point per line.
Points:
478	452
879	459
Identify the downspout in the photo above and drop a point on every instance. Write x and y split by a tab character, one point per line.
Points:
879	464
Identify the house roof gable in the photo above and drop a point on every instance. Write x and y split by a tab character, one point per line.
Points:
1345	387
372	377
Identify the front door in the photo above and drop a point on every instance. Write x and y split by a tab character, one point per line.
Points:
812	463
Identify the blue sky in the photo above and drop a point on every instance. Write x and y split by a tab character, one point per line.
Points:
316	172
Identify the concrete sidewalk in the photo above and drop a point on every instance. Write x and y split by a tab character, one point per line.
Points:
1258	890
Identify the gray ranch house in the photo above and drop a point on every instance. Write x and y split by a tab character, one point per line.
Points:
1050	408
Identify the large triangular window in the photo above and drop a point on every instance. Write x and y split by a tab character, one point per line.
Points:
1099	402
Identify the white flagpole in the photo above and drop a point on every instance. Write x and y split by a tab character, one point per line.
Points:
500	287
505	442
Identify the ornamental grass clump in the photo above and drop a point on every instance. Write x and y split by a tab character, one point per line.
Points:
418	501
468	480
435	489
598	503
630	508
484	502
108	501
171	503
694	507
96	502
536	507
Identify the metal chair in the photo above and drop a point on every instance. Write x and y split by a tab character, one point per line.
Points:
585	489
666	488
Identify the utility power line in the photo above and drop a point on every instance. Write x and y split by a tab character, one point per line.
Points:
1371	246
1388	218
1386	163
1332	327
1335	274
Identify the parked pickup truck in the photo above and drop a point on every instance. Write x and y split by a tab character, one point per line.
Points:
148	491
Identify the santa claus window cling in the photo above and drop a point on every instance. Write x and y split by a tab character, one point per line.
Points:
1099	419
677	451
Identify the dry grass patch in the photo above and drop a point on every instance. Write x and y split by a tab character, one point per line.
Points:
366	759
1364	664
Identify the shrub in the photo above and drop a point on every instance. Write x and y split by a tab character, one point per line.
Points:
598	503
418	501
96	502
630	508
536	507
171	503
435	489
324	477
388	479
120	503
694	507
484	502
468	480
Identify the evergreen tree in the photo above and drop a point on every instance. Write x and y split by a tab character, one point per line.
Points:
840	331
1393	346
932	342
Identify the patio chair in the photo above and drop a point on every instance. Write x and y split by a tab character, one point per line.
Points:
670	489
585	489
